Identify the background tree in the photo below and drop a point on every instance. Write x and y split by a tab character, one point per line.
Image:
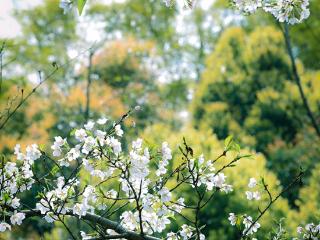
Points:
248	83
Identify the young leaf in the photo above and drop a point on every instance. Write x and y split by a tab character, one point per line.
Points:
81	4
228	141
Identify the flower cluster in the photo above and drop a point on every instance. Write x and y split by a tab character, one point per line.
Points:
140	175
249	225
255	195
184	3
53	203
309	231
97	150
186	232
290	11
207	175
16	177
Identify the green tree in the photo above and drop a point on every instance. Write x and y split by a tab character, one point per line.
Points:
247	91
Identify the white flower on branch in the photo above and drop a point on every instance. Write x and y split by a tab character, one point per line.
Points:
4	226
16	218
129	221
80	135
172	236
248	6
89	144
165	195
115	144
150	202
56	147
232	218
73	154
252	183
290	11
15	203
186	231
250	226
118	130
102	121
32	153
81	209
101	137
253	195
89	125
18	153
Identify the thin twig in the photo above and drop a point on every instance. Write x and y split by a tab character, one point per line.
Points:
296	180
24	99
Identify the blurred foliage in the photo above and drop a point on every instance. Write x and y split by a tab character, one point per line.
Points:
48	35
246	90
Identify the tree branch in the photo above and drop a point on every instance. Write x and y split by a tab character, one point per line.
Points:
1	54
104	222
89	80
298	80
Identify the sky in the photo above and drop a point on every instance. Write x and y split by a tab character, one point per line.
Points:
9	27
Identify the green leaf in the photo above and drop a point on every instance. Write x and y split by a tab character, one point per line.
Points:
235	147
54	170
228	141
81	4
73	132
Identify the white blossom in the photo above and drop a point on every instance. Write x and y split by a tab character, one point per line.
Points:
17	152
248	6
73	154
88	145
252	183
202	236
56	147
186	231
232	218
84	236
172	236
129	221
102	121
136	145
118	130
253	195
248	222
101	137
299	230
290	11
4	226
15	203
81	209
32	153
89	125
16	218
80	135
165	194
116	145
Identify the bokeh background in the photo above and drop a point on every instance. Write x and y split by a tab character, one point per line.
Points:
203	74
